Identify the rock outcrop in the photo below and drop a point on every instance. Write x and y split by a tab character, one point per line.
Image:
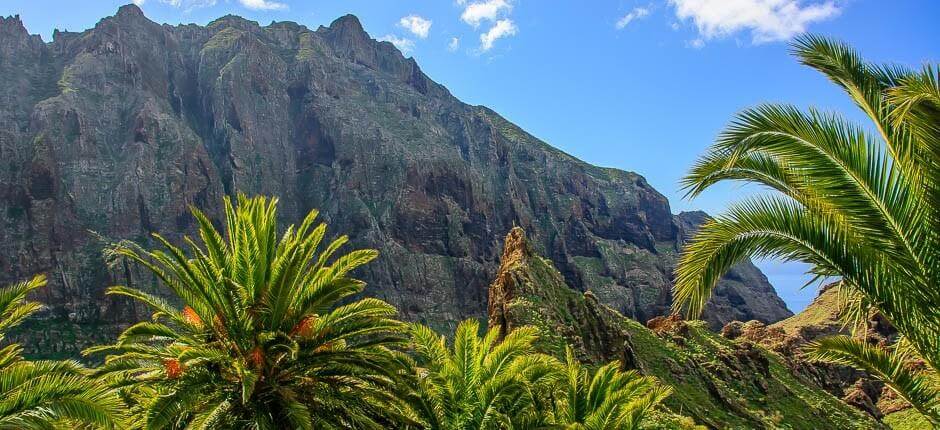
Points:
820	319
112	133
718	382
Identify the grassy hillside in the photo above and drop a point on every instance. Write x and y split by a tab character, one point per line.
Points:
821	316
719	383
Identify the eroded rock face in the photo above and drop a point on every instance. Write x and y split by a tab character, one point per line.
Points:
528	290
112	133
821	319
717	381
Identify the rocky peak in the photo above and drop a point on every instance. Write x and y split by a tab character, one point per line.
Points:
129	16
234	21
130	123
348	25
129	11
128	22
350	40
516	249
570	318
14	34
12	26
504	289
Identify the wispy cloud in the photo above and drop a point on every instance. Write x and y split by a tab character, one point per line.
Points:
139	2
263	4
454	44
404	45
633	15
486	10
765	20
502	28
189	5
186	5
479	11
416	25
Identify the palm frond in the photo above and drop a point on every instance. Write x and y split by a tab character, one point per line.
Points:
267	334
918	389
863	208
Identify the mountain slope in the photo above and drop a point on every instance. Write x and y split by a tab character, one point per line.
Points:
112	133
718	382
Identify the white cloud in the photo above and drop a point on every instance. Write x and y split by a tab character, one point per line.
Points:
187	5
502	28
263	4
404	45
139	2
453	44
634	14
766	20
416	25
484	10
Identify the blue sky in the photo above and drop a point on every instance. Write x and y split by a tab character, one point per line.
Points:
638	85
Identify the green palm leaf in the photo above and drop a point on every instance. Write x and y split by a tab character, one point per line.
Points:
479	383
607	400
918	388
47	394
861	207
268	335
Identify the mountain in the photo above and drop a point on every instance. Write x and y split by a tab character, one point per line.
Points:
112	133
717	382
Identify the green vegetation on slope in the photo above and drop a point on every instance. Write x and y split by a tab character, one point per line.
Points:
907	419
718	382
823	314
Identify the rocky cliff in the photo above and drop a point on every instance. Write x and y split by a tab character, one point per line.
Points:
113	132
718	382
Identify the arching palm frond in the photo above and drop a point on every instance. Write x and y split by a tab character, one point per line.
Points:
41	394
268	335
858	205
918	388
47	394
607	400
479	383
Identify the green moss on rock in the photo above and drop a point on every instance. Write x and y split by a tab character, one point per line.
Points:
907	419
718	382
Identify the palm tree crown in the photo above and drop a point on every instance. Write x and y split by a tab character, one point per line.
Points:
45	394
860	203
480	383
263	339
608	399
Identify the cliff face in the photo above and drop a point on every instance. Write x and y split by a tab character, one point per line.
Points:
112	133
719	382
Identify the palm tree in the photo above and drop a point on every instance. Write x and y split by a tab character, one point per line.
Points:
859	203
607	400
267	336
46	394
480	383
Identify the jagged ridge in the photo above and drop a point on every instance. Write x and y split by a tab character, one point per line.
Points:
719	382
118	129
